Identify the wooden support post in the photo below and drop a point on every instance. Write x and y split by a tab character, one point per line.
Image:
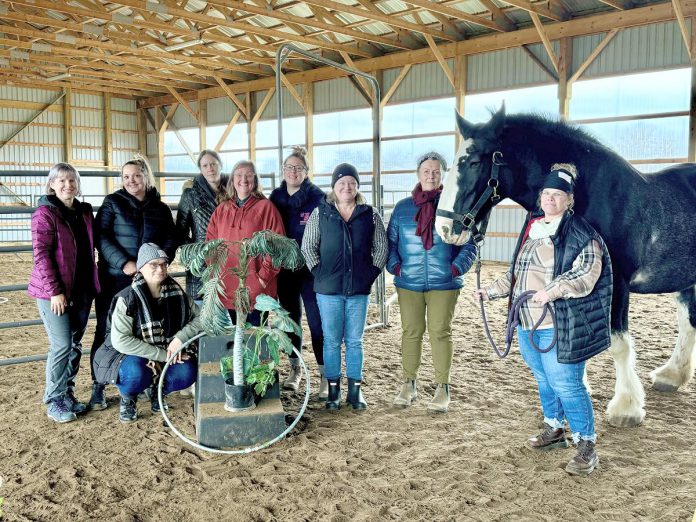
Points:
692	100
308	93
460	68
251	126
142	131
255	119
108	142
67	125
202	124
565	87
161	124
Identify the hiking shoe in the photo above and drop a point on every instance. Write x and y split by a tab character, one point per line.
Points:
98	400
294	379
151	393
128	410
407	394
441	400
75	406
548	439
586	459
59	411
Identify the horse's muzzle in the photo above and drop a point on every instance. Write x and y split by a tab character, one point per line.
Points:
445	229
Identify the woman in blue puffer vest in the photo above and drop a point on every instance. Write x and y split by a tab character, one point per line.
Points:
428	278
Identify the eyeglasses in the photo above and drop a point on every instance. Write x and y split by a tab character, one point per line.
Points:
294	169
154	265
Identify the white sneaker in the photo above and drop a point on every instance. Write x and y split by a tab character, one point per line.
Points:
323	389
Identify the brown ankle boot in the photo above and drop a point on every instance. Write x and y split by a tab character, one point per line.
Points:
548	439
586	459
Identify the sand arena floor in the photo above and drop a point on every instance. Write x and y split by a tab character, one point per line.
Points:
385	464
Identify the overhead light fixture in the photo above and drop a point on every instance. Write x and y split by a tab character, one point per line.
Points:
63	76
184	45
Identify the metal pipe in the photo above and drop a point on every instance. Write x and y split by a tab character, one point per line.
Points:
19	288
30	358
281	55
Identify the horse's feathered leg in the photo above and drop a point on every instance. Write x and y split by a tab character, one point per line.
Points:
626	407
680	368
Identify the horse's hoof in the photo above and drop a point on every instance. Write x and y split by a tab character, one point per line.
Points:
628	421
664	387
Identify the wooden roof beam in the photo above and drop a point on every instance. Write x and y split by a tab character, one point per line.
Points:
183	102
593	55
545	40
405	37
577	27
621	5
537	9
457	14
499	16
686	35
390	20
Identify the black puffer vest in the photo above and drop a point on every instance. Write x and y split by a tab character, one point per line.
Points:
107	360
197	204
345	252
584	322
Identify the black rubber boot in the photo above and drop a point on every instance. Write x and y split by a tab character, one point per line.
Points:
355	396
333	402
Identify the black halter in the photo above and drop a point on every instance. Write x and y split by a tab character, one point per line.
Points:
468	221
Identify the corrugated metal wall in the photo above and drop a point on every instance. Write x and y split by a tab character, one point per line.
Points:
337	95
502	69
424	80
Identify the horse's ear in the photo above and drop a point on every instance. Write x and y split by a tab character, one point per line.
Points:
498	120
465	128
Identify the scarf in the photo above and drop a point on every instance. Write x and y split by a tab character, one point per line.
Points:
426	201
539	229
159	332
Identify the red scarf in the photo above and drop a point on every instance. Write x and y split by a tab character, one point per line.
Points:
425	217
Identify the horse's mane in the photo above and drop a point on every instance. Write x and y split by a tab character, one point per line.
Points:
550	137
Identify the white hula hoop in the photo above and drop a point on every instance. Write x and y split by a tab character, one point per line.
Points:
248	449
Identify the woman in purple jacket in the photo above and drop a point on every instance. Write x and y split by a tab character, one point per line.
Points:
61	232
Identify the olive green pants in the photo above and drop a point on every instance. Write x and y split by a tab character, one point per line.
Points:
437	307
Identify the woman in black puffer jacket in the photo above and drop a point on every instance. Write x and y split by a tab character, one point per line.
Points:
127	219
198	202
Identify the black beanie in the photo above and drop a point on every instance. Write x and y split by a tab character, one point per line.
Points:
343	170
559	179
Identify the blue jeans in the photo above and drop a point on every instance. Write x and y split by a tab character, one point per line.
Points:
562	391
343	319
134	376
64	344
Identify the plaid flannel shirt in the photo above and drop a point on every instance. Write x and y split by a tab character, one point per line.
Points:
534	271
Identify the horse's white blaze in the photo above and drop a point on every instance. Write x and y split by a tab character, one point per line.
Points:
654	237
443	225
626	408
680	368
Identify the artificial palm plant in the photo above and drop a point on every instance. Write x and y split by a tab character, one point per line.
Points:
206	260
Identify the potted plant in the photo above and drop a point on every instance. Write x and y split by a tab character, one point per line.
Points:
253	362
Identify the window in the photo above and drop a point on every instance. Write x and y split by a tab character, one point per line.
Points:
479	107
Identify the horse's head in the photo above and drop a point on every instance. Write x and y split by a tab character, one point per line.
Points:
469	190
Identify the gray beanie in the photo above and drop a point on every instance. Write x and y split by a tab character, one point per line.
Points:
343	170
149	252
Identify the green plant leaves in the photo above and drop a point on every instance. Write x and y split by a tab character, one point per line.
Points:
226	367
266	303
283	251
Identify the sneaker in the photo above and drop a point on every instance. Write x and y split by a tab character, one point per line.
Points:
75	406
548	439
441	400
586	459
407	394
59	411
294	378
98	400
151	393
127	410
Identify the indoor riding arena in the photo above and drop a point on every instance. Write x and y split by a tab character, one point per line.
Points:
377	84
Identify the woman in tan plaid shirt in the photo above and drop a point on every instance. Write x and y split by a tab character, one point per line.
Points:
563	259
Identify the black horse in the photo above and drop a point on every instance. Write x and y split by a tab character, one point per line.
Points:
647	221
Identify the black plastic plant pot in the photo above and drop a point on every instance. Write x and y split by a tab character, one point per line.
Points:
239	397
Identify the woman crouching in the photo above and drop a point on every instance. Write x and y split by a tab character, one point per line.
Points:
561	258
147	323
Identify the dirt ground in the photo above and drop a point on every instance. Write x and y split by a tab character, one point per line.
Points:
384	464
